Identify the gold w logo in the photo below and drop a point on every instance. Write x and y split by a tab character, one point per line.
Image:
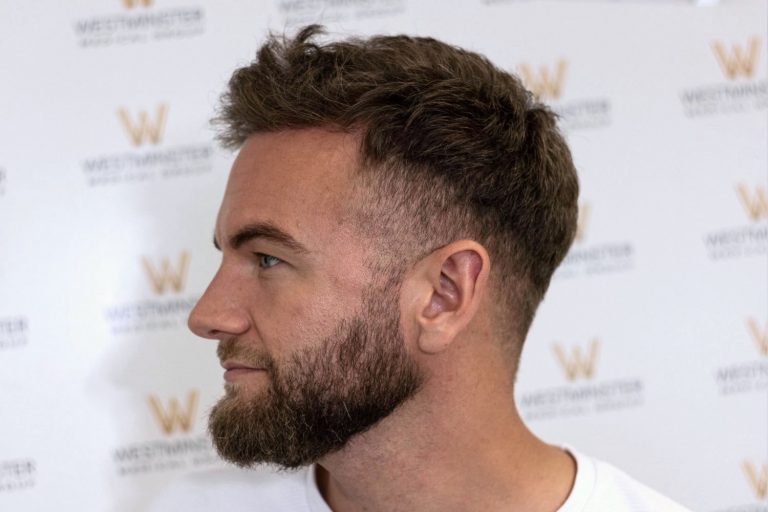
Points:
145	129
581	223
130	4
174	416
546	84
576	363
760	337
167	276
755	204
739	61
758	479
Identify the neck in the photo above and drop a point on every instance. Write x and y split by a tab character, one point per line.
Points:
448	455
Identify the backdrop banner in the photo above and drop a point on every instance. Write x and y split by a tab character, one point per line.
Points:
650	350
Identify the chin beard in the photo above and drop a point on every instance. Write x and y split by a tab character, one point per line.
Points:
322	396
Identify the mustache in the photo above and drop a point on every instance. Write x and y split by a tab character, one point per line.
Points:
245	353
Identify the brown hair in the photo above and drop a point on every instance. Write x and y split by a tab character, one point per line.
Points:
451	147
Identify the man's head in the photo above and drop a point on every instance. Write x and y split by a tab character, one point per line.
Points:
391	194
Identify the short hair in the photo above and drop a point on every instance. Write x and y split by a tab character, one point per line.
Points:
451	147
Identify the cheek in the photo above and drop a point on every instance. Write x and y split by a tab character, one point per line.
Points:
305	308
303	316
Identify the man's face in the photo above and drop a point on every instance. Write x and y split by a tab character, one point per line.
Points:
310	339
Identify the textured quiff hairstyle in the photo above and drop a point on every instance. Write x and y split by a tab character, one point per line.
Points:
452	147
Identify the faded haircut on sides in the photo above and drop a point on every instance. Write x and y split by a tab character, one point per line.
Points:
452	147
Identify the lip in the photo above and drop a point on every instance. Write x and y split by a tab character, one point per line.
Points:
235	370
235	365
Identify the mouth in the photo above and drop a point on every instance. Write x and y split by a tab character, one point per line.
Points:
235	370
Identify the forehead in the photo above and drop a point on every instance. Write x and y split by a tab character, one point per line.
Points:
299	179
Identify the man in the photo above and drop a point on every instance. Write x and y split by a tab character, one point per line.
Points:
390	225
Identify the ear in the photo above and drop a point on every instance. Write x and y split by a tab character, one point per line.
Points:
443	292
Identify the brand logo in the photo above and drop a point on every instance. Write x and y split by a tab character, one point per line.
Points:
547	84
759	336
749	238
588	257
168	275
581	223
741	90
17	474
130	4
577	363
582	391
144	129
751	375
13	332
738	61
757	478
169	305
305	11
754	203
138	22
151	160
174	417
179	449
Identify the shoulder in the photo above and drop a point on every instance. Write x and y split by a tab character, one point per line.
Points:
602	487
615	486
234	490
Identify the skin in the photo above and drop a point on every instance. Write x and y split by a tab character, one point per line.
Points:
459	444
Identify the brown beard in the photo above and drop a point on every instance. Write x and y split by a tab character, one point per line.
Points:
323	396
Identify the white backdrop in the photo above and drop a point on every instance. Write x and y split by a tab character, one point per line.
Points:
650	351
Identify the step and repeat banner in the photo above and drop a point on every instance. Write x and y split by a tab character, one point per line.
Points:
650	350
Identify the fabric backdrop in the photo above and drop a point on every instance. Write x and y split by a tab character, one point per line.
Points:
650	350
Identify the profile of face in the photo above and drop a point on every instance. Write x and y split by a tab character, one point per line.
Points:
311	342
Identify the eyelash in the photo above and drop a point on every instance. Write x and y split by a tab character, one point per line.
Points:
261	257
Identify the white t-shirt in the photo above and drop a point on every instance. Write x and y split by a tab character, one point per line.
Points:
599	487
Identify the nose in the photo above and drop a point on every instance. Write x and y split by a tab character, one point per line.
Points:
219	314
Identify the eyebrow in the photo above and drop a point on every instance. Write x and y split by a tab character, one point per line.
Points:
264	230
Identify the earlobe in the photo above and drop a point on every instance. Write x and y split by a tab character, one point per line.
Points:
453	282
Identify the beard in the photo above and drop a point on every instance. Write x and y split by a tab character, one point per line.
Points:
322	396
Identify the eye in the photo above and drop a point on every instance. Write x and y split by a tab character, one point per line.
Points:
267	261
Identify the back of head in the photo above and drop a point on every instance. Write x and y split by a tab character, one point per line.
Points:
451	147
